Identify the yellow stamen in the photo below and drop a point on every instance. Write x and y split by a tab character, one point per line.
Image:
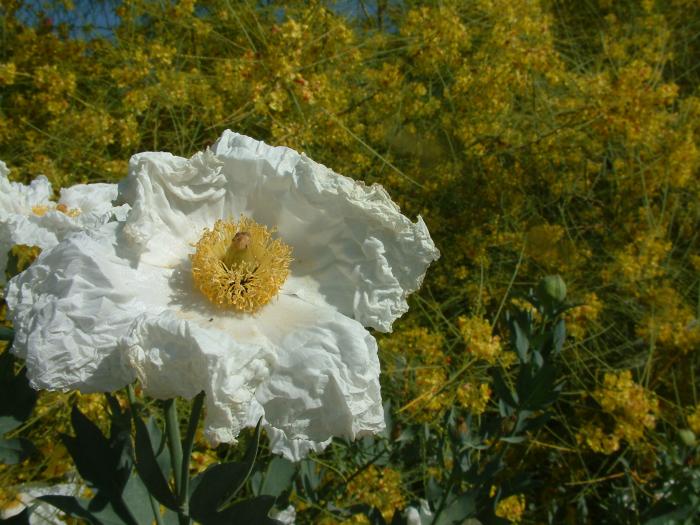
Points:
239	265
71	212
40	210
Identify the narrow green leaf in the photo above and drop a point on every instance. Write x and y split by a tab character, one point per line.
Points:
135	496
219	484
14	451
502	391
17	398
558	336
278	478
72	506
520	340
254	510
149	470
102	462
19	519
6	333
457	510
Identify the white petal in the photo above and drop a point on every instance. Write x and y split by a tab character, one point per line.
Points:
325	381
69	309
173	357
286	516
172	201
95	202
19	198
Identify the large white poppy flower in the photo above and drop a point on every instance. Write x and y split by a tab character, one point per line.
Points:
28	216
247	271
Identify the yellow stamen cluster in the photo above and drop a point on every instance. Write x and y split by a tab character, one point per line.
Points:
239	265
40	210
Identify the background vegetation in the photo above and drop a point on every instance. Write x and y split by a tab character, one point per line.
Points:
534	137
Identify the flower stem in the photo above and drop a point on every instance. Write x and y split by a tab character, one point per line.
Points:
172	428
131	395
187	451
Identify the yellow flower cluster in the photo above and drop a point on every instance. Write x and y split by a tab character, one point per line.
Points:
378	487
694	420
511	508
479	339
580	319
431	397
671	324
634	408
474	397
594	437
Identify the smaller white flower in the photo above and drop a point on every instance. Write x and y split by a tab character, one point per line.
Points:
28	215
39	512
419	516
286	516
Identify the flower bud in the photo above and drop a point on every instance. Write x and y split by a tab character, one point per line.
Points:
687	437
552	288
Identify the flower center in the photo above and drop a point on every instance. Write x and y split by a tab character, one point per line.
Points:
239	265
41	209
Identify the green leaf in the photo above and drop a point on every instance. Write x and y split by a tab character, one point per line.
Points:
310	478
278	478
513	439
14	451
149	470
219	484
521	340
537	390
558	336
254	510
457	510
19	519
504	393
97	511
103	463
73	507
135	496
6	333
17	398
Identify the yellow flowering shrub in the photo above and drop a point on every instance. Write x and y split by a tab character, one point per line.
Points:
533	137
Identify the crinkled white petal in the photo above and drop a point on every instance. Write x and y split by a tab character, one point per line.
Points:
175	357
352	248
89	315
71	307
326	378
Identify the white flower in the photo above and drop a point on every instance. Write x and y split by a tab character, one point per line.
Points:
419	516
286	516
28	216
39	512
193	292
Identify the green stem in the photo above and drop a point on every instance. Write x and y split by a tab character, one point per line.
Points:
187	451
172	428
156	510
155	507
